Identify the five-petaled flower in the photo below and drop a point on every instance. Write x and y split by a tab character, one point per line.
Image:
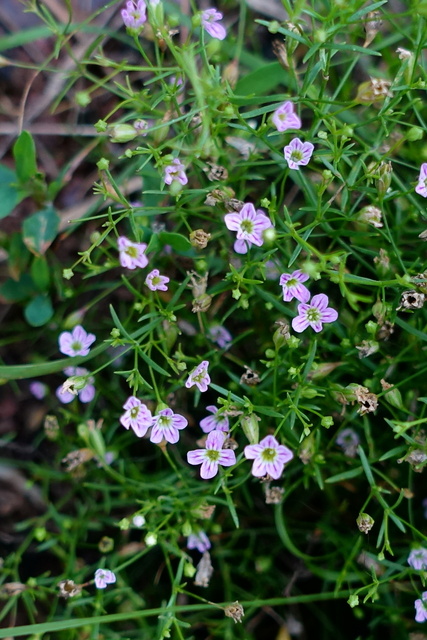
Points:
199	377
216	421
132	254
79	384
314	314
137	416
210	22
199	541
220	335
156	282
76	343
421	187
298	153
421	608
249	225
269	457
212	456
417	559
292	286
104	577
166	425
134	15
175	171
285	118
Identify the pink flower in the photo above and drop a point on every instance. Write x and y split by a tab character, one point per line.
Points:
269	457
298	153
417	559
76	343
156	282
199	377
132	254
421	608
140	126
314	314
293	287
210	19
199	541
104	577
285	118
38	389
175	171
216	421
220	335
348	440
137	416
421	187
82	385
166	425
212	456
134	15
249	225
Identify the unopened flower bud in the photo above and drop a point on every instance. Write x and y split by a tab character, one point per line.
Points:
269	235
392	395
202	303
373	25
414	133
384	180
122	133
250	427
365	522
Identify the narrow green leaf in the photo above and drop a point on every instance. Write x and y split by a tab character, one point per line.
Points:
10	195
410	329
366	466
346	475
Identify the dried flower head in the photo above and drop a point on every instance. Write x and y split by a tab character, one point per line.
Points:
385	330
374	91
372	215
365	522
215	172
204	571
76	458
234	611
12	589
199	238
367	348
274	495
68	589
368	401
250	377
411	300
373	24
51	427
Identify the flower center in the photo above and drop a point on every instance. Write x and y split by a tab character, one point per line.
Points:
199	376
164	422
313	315
155	280
292	282
269	454
134	412
132	252
247	226
212	455
296	156
76	346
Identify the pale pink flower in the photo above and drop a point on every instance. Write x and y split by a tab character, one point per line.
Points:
348	440
249	225
421	187
199	541
75	343
199	377
38	389
83	386
156	282
298	153
292	286
216	421
421	608
212	456
132	254
175	171
269	457
314	314
134	15
137	416
104	577
417	559
210	22
166	425
141	126
285	118
220	335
